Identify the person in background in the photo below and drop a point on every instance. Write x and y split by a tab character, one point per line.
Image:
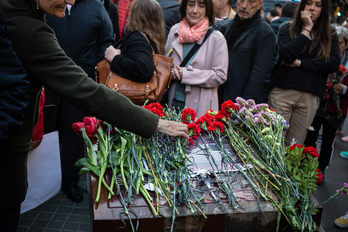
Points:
262	12
223	14
223	10
329	131
250	47
288	13
272	14
14	89
343	41
279	8
84	34
308	52
124	7
196	84
112	10
170	9
47	64
144	34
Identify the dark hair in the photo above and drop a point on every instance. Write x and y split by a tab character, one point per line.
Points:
274	12
321	29
230	2
209	10
146	16
289	9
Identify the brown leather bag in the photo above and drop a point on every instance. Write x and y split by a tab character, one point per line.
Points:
138	92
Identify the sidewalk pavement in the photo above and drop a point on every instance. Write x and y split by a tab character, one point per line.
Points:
335	175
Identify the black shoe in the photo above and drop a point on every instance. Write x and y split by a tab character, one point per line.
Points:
74	193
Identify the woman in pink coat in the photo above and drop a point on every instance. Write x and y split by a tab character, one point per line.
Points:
196	84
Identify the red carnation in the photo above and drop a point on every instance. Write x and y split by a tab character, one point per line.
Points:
319	177
188	115
204	121
194	130
216	126
342	69
293	146
155	108
219	125
229	106
311	150
222	116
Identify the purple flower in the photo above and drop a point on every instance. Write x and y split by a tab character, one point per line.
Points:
240	101
262	106
250	103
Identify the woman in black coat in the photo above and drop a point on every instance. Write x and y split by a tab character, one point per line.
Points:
132	58
308	52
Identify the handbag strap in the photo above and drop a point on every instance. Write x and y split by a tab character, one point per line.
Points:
195	49
153	51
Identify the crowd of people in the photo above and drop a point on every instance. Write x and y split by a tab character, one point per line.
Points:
222	49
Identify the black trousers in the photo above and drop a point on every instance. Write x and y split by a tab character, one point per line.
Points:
60	115
9	218
328	138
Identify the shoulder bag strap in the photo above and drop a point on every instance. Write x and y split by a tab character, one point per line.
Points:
153	51
195	49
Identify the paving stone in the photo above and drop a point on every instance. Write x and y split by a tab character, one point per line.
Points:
39	224
55	225
71	226
60	217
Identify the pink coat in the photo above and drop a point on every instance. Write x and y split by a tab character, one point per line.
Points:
204	74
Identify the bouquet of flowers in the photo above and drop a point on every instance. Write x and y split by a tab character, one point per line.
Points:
162	164
335	78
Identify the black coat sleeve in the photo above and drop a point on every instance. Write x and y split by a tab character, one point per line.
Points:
136	60
290	50
14	88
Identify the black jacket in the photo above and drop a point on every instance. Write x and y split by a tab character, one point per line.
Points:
136	61
312	74
249	60
171	15
112	10
84	33
14	88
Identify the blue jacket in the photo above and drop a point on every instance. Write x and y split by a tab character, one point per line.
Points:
14	88
84	33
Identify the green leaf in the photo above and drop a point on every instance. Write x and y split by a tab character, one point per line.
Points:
84	162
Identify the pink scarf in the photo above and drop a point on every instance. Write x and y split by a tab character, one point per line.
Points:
189	34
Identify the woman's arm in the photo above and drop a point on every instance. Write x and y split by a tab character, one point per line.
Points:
136	60
290	50
46	64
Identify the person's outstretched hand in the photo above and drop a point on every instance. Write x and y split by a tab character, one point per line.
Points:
172	128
